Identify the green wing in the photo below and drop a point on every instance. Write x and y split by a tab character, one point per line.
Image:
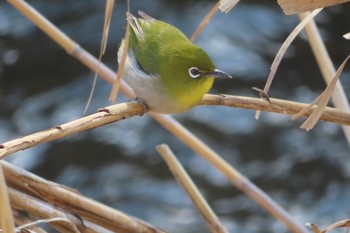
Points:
152	41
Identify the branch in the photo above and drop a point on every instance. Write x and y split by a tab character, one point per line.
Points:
105	116
67	199
64	221
123	111
275	105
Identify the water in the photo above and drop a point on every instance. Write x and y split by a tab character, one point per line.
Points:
306	173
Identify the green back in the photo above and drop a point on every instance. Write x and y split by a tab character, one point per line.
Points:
164	50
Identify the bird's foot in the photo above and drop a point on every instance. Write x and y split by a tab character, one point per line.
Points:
141	102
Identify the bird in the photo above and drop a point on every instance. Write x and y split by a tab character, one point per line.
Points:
167	72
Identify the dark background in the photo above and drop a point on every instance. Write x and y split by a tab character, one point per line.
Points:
305	172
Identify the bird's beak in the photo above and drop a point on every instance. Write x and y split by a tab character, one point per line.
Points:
218	74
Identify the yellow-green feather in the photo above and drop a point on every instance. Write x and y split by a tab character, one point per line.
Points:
163	50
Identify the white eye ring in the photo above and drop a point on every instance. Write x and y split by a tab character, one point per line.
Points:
194	72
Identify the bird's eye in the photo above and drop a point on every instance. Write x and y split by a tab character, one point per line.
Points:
194	72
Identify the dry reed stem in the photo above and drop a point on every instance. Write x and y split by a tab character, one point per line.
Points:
339	224
297	6
72	202
192	191
124	111
276	106
21	220
313	227
28	226
63	221
227	5
106	25
166	121
327	68
205	21
104	116
278	58
234	176
6	218
104	39
322	101
118	77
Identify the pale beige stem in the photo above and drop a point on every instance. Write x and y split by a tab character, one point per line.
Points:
21	220
6	218
296	6
236	178
192	191
205	21
105	116
123	111
73	202
64	222
327	68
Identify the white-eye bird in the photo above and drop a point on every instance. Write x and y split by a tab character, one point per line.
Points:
164	68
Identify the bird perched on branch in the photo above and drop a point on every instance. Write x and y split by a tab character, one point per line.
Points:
164	68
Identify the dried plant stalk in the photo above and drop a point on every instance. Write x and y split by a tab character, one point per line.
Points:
72	202
105	32
6	218
205	21
340	224
322	101
278	58
275	105
192	191
297	6
63	221
105	116
118	78
234	176
227	5
327	68
123	111
21	220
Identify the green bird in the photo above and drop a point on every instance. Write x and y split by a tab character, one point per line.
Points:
164	68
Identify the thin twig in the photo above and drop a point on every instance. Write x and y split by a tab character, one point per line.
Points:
103	46
122	61
205	21
192	191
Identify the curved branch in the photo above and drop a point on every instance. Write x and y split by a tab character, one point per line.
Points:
122	111
104	116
